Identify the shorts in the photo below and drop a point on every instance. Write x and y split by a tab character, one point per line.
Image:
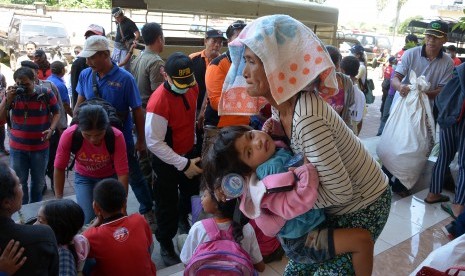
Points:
317	246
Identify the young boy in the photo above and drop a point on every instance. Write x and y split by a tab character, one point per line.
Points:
350	66
120	244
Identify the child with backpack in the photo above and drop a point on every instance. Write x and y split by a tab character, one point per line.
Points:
220	244
66	218
100	152
120	244
281	204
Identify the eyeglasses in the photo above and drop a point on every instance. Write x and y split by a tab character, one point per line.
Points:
235	26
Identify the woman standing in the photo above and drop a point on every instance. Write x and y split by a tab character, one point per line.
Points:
94	161
353	189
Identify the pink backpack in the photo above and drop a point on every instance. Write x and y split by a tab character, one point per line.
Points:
221	255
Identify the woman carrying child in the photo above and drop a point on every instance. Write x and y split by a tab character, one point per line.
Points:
93	160
353	190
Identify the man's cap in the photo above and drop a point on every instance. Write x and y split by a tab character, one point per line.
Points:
94	44
214	34
94	29
39	53
437	28
392	59
29	64
357	49
180	69
116	11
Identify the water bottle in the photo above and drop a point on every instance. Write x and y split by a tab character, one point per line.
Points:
232	185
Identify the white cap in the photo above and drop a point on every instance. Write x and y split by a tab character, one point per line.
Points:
93	45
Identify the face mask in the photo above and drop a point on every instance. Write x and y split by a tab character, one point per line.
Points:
178	90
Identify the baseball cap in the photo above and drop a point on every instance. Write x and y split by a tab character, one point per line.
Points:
437	28
179	68
93	45
357	48
116	11
214	33
95	29
39	53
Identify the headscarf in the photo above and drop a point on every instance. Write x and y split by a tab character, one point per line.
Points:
292	55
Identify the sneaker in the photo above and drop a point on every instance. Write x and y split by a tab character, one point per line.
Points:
151	220
167	253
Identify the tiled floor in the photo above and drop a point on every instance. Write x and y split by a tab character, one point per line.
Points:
413	229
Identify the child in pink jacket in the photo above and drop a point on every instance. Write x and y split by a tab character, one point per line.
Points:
281	201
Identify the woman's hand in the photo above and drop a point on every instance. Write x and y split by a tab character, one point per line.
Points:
10	260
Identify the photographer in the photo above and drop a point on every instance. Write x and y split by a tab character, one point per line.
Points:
27	109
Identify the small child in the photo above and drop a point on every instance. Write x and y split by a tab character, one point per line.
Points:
66	218
350	66
223	215
120	244
283	211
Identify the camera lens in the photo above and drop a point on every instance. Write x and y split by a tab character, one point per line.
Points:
20	89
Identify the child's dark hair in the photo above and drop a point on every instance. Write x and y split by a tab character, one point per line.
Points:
93	117
7	182
110	195
222	156
350	65
24	72
228	210
65	217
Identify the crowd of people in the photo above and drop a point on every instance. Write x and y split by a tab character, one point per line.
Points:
187	126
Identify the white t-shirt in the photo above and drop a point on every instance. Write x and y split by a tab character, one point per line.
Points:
198	235
358	108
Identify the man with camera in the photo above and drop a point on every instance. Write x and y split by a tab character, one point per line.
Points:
28	107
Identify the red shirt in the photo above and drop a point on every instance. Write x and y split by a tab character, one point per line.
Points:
387	72
122	247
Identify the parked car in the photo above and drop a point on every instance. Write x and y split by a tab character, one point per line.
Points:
373	44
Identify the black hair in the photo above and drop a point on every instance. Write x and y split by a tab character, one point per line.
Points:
78	48
411	38
93	117
29	64
222	156
65	217
24	72
335	54
350	65
452	48
7	183
240	26
110	195
151	32
57	67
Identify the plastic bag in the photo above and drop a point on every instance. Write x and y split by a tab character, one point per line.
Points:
408	136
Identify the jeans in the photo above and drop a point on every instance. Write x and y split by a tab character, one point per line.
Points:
84	189
385	114
138	183
34	161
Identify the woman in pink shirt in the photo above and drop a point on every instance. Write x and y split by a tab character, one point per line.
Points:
94	161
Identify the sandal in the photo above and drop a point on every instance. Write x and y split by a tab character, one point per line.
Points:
448	209
441	198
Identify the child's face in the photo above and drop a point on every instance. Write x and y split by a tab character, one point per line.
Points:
41	216
255	147
208	204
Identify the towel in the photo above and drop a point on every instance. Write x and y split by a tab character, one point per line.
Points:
293	58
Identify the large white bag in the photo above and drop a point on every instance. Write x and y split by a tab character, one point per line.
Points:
408	136
446	256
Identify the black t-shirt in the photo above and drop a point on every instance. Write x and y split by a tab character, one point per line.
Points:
129	27
79	64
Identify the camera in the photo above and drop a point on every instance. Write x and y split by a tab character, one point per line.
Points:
20	89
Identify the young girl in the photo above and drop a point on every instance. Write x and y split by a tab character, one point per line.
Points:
223	215
288	214
66	218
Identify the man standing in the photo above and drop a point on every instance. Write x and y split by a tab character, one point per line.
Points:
428	60
169	128
117	86
126	32
148	70
31	48
79	63
201	60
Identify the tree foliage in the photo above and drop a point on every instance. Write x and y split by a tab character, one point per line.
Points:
96	4
403	26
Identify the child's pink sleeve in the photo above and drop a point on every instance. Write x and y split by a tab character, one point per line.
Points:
64	149
120	157
299	200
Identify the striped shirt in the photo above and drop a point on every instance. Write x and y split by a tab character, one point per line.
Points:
30	116
350	179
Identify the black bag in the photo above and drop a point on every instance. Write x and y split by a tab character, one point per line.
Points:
367	89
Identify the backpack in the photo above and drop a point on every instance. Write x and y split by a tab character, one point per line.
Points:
221	255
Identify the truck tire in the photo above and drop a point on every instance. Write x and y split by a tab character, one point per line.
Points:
13	62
